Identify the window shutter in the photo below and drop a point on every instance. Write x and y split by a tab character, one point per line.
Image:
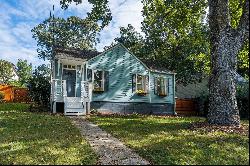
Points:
106	80
133	83
84	72
167	86
89	75
155	85
146	78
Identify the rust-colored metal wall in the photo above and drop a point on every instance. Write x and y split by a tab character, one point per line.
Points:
14	94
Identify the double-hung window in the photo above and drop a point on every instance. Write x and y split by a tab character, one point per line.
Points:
99	78
99	81
161	86
140	84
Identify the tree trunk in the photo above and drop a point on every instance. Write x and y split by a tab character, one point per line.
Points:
223	108
225	44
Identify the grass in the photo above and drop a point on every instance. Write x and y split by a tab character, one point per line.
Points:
170	141
40	138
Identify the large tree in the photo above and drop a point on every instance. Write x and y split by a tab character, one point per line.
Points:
225	42
72	32
24	71
133	40
176	35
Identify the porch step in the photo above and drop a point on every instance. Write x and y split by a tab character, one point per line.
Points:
73	105
74	108
73	99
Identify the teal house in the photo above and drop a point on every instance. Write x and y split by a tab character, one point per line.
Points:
113	81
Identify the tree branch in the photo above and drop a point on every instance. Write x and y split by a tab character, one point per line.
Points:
219	17
243	28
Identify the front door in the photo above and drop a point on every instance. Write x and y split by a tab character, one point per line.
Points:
70	77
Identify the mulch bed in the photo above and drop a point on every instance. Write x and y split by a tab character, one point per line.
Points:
205	126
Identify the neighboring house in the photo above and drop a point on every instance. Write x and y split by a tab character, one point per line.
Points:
199	89
112	81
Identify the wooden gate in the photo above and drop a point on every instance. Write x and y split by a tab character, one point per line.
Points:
21	95
186	107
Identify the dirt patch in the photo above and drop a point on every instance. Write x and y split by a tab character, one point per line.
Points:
205	126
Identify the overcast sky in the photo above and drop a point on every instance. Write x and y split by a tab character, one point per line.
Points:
18	17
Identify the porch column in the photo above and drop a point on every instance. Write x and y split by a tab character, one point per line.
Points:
54	107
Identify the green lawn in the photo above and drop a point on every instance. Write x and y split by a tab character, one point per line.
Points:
169	141
40	138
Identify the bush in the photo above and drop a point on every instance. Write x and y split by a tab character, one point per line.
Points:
202	103
242	101
1	97
39	86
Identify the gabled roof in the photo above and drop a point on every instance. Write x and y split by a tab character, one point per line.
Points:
77	53
155	66
89	54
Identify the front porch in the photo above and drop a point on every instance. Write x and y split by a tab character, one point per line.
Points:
72	105
69	85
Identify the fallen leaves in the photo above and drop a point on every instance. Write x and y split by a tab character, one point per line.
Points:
205	126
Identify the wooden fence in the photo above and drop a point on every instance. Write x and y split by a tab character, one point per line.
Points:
14	94
187	107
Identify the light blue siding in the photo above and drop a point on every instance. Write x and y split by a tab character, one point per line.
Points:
121	66
170	94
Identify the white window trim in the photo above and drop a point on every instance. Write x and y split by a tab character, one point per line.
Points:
165	85
102	80
144	77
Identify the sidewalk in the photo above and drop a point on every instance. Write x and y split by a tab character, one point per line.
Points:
110	150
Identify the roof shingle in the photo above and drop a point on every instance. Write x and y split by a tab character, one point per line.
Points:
77	53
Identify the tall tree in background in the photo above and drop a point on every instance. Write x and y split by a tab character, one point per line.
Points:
133	40
24	71
6	71
226	42
177	36
100	10
72	32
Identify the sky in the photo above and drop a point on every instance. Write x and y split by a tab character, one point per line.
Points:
18	17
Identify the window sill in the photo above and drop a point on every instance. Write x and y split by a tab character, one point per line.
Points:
141	94
98	91
162	95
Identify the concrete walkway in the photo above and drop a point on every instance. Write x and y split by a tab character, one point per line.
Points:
110	150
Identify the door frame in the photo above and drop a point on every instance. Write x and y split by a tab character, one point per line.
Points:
69	69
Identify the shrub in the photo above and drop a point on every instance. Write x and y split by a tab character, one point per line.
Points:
39	86
242	101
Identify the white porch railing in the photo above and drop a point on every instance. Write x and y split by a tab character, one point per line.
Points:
84	90
59	90
64	90
56	89
73	105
